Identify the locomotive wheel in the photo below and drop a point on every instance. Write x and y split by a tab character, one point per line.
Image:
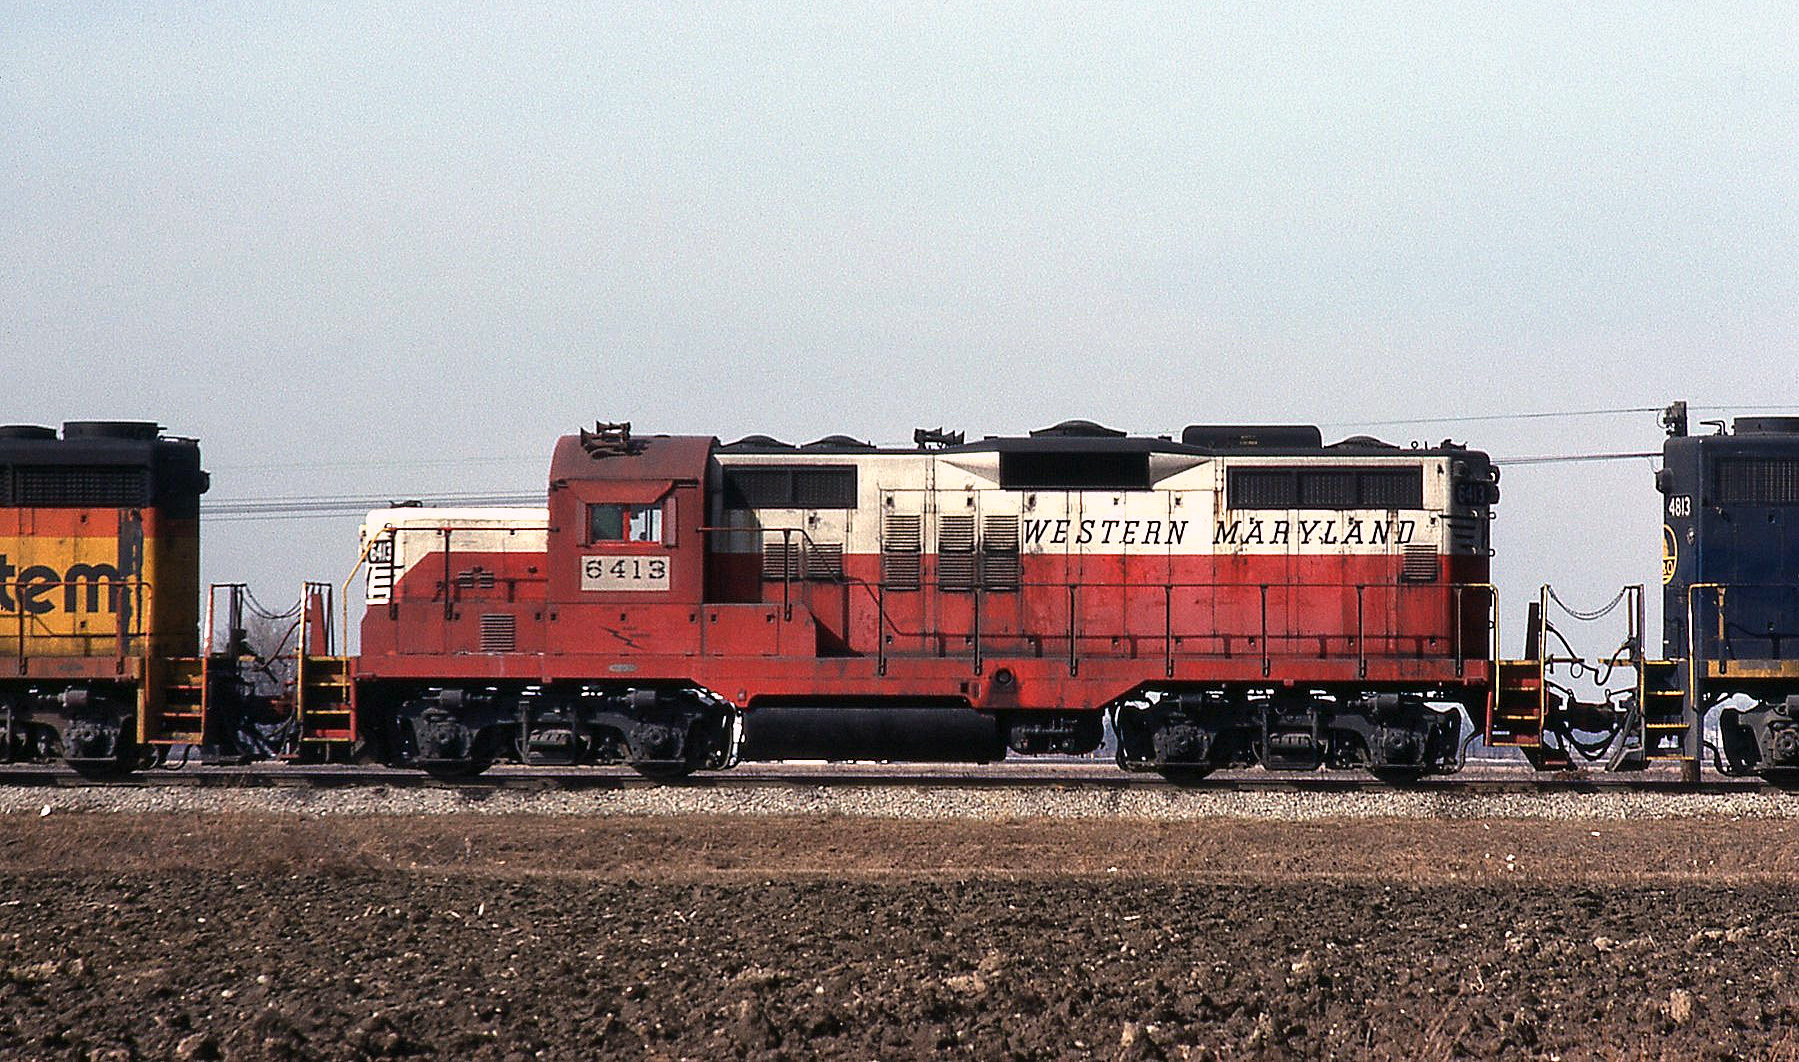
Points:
663	772
1183	775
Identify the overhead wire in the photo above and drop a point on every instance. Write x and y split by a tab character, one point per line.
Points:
276	508
1548	415
1473	418
236	509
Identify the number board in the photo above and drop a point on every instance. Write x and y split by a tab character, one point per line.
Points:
624	573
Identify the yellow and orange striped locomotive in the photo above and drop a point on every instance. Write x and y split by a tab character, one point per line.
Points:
99	583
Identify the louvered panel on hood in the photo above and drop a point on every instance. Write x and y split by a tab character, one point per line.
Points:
999	534
824	560
1420	565
1000	569
955	553
955	534
780	559
902	541
499	633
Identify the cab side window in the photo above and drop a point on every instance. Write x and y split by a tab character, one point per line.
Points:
624	523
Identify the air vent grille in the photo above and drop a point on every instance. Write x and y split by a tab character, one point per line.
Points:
955	534
499	633
1464	533
1420	565
471	578
903	534
825	561
902	541
74	485
899	571
999	534
999	548
1758	480
955	571
999	571
780	560
955	553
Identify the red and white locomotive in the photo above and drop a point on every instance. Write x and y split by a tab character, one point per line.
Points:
1243	595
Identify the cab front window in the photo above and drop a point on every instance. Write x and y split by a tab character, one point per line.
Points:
624	523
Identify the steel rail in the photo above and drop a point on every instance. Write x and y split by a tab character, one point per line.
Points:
775	777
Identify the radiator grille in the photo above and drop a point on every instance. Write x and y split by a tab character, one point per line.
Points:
1325	488
1758	481
499	633
98	485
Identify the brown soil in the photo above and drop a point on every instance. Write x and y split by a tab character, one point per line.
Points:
162	935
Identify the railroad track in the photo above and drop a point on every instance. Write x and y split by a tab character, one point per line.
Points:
784	776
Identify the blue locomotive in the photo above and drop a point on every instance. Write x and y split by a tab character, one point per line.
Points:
1730	579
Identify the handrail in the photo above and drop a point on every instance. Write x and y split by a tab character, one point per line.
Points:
787	556
1364	636
1723	633
1265	636
361	559
1694	670
444	530
130	622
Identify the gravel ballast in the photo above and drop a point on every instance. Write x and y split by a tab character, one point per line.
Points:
1146	803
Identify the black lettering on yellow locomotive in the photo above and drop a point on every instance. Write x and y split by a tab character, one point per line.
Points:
32	589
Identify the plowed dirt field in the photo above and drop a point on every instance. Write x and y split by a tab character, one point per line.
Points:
248	937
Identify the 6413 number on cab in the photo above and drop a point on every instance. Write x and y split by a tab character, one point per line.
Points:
617	573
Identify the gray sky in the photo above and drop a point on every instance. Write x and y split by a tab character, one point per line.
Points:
398	249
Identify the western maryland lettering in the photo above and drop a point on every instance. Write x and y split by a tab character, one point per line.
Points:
1334	530
1322	531
1106	532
